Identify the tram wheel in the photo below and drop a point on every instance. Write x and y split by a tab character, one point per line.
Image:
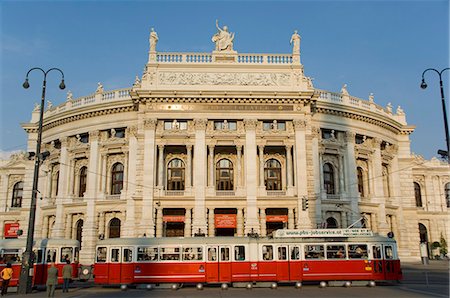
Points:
224	286
323	284
298	285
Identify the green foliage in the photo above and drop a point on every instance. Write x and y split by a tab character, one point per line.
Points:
435	244
443	245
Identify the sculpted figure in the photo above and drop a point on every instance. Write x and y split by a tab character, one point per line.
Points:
153	40
223	38
69	95
295	40
344	90
99	88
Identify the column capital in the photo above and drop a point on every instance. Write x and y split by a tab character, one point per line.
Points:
150	123
376	143
300	124
189	147
94	135
350	136
250	124
132	130
200	123
161	146
211	148
315	130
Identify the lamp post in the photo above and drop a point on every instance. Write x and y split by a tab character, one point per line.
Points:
26	273
424	85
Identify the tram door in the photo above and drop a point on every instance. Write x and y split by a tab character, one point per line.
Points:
114	271
282	264
218	265
389	262
127	267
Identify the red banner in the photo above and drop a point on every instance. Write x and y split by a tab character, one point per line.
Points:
276	218
173	218
11	230
225	220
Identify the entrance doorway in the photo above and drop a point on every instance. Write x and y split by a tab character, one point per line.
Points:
273	226
173	219
276	219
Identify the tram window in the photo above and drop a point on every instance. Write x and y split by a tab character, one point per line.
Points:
38	256
282	253
224	253
51	255
267	252
170	253
295	253
388	252
335	252
376	252
357	251
11	255
127	255
192	254
101	254
77	255
212	254
314	252
66	254
239	253
145	253
115	255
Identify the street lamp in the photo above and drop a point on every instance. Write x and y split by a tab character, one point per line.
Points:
26	273
424	85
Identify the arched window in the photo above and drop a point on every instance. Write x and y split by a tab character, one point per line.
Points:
79	230
423	233
17	195
417	194
56	183
328	179
332	223
272	175
447	194
386	186
224	175
83	179
175	174
116	179
360	176
114	228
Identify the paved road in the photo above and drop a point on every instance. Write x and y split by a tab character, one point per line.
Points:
419	281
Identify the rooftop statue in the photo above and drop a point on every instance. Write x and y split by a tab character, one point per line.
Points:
153	40
223	38
295	40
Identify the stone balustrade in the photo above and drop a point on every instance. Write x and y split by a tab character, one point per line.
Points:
263	59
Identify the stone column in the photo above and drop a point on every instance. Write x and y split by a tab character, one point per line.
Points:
58	229
45	227
68	230
211	227
161	167
211	166
251	220
188	166
159	222
147	219
200	159
129	227
351	176
262	220
239	165
3	192
90	233
101	223
291	223
188	223
378	186
240	223
401	233
289	166
261	167
318	183
303	216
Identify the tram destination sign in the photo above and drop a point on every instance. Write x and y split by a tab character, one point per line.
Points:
322	233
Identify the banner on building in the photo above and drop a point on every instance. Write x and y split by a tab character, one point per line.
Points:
173	218
323	233
225	221
276	218
11	230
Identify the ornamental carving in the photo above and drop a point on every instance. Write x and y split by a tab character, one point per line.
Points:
350	136
150	123
132	130
220	78
300	124
200	124
13	179
94	135
250	123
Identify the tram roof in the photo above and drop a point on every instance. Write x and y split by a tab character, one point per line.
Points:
19	243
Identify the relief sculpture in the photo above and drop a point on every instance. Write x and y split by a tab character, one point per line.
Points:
240	79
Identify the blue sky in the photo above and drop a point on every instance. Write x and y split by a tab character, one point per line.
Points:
373	46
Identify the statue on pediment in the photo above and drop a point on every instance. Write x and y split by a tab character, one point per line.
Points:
99	88
69	95
153	40
344	90
223	39
295	41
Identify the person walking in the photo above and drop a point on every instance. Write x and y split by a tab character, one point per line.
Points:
6	276
52	280
67	276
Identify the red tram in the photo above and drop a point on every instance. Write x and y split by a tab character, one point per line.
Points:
288	256
46	252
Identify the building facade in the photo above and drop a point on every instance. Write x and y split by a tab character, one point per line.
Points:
224	144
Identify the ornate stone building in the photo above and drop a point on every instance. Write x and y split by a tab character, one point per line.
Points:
224	143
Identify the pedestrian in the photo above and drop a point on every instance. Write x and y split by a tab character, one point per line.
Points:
52	280
6	276
67	276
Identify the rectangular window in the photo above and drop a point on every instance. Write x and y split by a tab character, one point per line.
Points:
170	254
51	255
376	250
239	253
11	255
314	252
267	252
282	253
101	254
212	254
357	251
66	254
388	252
224	253
38	256
127	255
295	253
115	255
336	252
192	254
145	253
